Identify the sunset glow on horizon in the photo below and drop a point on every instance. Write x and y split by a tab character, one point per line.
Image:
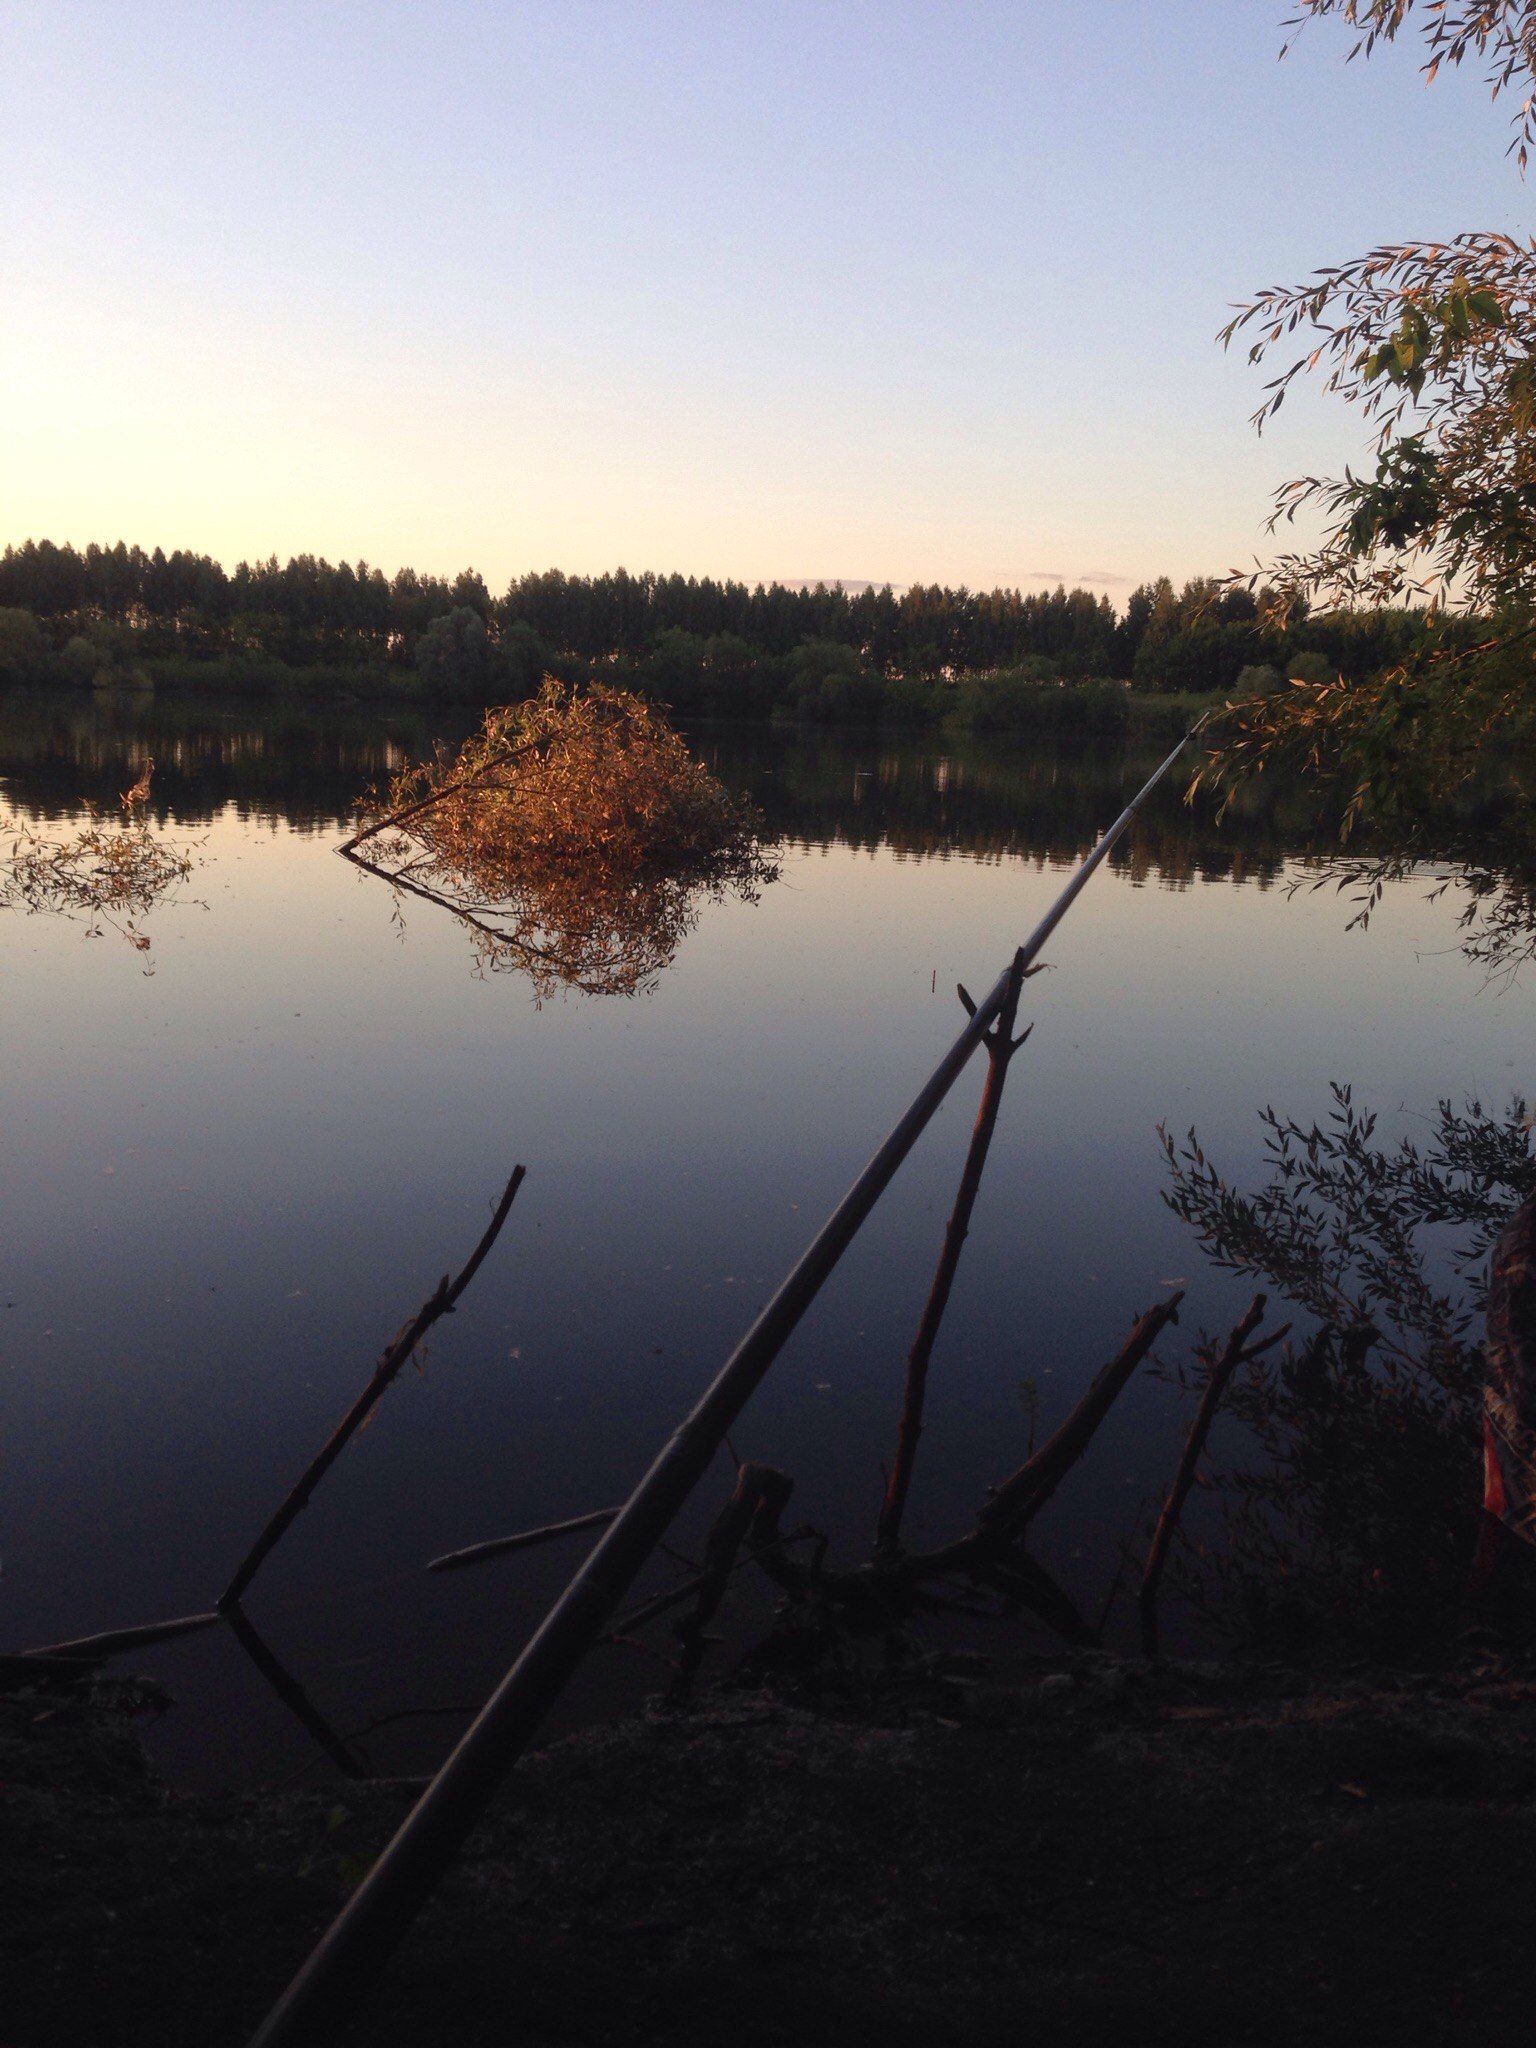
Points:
901	293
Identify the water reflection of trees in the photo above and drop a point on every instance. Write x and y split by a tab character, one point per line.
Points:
992	800
293	765
1483	863
923	798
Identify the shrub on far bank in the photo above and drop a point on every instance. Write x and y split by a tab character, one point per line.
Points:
1017	700
830	684
1310	667
24	650
912	705
99	655
1163	720
1259	679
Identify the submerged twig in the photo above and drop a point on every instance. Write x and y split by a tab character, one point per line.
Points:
113	1642
439	1303
526	1539
1222	1368
751	1515
1001	1046
294	1697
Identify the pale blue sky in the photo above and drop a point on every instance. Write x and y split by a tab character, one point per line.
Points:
923	289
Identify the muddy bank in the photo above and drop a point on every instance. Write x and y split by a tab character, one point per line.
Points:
1092	1852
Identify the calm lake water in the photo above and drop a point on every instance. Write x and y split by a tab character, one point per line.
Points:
229	1181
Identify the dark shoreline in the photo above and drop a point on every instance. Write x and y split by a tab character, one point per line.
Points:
1102	1849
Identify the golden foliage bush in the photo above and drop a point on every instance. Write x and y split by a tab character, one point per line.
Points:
574	836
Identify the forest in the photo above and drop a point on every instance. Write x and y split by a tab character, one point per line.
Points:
822	653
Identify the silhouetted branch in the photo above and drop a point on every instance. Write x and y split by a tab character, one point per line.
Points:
1001	1047
440	1303
293	1696
1019	1499
1222	1369
1024	1582
751	1515
113	1641
527	1539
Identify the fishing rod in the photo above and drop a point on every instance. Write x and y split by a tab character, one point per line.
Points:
355	1948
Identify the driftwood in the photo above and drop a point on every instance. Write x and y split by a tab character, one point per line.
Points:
887	1590
113	1641
1235	1352
1001	1047
439	1303
526	1539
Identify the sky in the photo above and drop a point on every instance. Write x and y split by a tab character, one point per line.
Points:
908	290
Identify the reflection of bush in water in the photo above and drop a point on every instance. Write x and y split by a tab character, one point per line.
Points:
1355	1527
574	836
111	873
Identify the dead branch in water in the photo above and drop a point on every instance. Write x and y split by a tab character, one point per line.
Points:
293	1696
1015	1503
751	1515
884	1592
439	1303
482	777
1001	1046
113	1642
107	873
1234	1353
526	1539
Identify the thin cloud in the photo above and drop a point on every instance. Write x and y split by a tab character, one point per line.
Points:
1075	580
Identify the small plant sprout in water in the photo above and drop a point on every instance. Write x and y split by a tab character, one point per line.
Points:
574	837
111	873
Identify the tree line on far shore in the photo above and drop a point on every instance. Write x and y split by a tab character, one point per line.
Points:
822	653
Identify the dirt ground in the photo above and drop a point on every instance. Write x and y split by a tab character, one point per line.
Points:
1102	1851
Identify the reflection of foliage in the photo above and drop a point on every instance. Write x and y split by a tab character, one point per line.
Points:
111	873
1360	1515
573	836
1497	917
303	765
